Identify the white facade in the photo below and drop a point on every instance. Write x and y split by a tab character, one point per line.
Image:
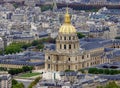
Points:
1	43
51	76
5	81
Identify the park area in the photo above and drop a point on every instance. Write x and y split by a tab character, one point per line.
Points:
26	75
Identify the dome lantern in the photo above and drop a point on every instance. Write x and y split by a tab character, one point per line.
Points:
67	17
67	27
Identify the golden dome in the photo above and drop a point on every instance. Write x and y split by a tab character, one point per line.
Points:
67	27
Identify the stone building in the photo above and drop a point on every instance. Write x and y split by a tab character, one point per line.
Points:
5	81
68	54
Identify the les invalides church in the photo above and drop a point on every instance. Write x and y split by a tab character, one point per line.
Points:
68	54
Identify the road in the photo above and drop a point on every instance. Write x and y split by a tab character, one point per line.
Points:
26	82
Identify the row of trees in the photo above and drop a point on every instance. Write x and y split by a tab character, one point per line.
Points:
18	47
103	71
117	37
32	84
15	84
46	7
20	70
13	48
41	41
3	69
39	44
110	85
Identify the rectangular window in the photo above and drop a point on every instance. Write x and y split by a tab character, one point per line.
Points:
69	38
64	46
48	57
69	46
68	59
48	66
64	38
69	67
82	57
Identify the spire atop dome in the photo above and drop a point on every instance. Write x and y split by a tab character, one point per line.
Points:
67	17
67	27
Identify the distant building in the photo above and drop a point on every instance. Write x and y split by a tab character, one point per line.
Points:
98	1
30	2
23	59
1	43
68	55
70	80
5	81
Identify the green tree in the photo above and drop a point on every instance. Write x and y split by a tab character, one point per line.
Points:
80	35
13	48
15	5
32	84
117	37
110	85
106	71
100	71
93	70
14	82
82	70
35	42
25	46
40	46
18	85
46	7
1	52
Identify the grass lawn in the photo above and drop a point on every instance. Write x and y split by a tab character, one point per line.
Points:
29	74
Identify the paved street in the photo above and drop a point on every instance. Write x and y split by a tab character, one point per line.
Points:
26	82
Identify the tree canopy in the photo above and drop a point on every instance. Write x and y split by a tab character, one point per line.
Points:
32	84
103	71
15	84
20	70
112	84
80	35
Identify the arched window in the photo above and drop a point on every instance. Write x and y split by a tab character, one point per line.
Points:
69	38
64	46
70	46
64	38
49	57
68	59
48	66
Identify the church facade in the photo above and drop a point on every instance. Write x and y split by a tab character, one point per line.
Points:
68	54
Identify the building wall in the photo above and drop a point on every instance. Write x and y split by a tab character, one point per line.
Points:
6	81
20	66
